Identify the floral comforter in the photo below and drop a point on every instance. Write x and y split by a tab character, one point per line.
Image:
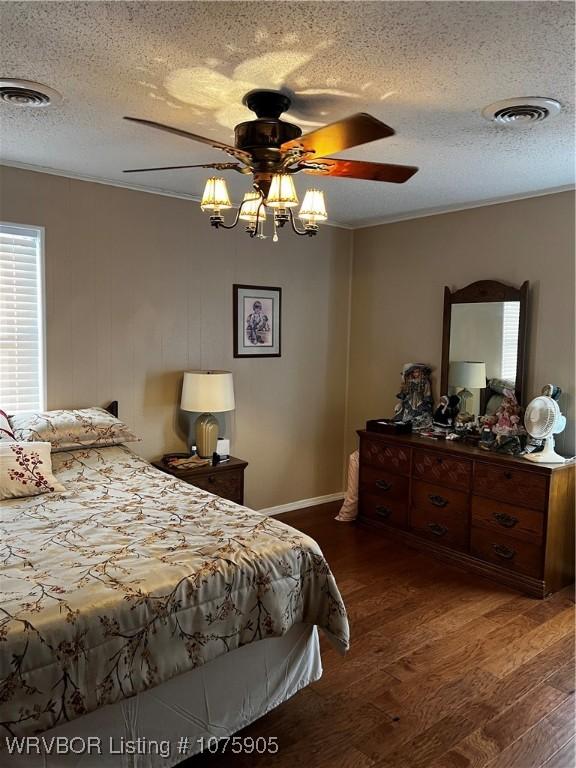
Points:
131	577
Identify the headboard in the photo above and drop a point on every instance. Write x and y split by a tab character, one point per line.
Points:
113	408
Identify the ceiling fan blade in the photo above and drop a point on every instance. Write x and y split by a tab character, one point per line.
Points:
360	169
335	137
238	153
219	166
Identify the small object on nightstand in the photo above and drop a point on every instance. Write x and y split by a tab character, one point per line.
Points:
226	479
183	461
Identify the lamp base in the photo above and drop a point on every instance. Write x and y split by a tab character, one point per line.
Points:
206	435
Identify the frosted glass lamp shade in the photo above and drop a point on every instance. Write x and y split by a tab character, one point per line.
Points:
282	192
215	195
313	207
252	208
467	374
207	392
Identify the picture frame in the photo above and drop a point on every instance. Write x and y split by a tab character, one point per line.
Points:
257	312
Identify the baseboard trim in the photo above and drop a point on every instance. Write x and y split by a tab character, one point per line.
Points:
301	504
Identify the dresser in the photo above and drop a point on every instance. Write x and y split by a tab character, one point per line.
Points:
225	479
501	516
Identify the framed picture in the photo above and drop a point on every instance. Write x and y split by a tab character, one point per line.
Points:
257	321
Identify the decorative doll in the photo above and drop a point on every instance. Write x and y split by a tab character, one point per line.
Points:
503	430
415	396
446	413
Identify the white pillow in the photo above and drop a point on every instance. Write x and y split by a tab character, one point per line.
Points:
26	470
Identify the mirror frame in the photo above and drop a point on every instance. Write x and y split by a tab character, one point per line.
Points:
484	291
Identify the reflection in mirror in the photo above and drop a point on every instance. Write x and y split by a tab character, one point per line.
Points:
482	333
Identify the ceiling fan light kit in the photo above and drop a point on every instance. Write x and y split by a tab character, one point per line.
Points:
272	151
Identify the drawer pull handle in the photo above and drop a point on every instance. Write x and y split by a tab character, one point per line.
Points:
437	529
506	553
384	512
508	475
439	460
506	521
383	485
438	501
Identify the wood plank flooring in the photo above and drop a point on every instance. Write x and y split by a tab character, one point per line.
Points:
446	669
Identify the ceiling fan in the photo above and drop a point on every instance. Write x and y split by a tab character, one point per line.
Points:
272	151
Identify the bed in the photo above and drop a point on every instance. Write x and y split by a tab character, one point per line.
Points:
134	605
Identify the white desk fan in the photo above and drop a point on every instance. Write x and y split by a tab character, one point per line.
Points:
543	420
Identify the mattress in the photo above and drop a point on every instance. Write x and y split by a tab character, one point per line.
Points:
130	578
183	716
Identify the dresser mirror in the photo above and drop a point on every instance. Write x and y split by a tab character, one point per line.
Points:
484	338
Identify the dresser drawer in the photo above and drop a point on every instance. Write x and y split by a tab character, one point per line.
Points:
517	522
394	458
507	552
382	510
385	484
447	527
514	486
441	468
430	497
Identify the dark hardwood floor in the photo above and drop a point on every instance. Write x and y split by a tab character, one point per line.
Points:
445	670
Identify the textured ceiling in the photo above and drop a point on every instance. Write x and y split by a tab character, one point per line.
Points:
426	69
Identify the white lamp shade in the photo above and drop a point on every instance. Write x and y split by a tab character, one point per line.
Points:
467	374
215	195
207	392
252	208
282	192
313	206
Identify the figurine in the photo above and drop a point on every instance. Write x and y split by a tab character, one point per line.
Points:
447	411
415	396
507	417
503	431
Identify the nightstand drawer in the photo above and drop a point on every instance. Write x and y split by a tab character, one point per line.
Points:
225	484
441	468
512	485
386	484
394	458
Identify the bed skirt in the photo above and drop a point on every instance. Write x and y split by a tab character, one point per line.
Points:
211	702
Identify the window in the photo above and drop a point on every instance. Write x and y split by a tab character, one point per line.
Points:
510	324
21	319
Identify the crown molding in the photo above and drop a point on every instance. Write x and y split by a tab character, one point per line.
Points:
426	212
122	185
408	216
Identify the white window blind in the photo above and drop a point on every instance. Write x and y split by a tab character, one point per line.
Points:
21	319
510	324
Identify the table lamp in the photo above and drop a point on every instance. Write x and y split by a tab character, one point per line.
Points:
468	375
207	392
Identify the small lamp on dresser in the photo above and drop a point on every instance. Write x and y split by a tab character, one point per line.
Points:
207	392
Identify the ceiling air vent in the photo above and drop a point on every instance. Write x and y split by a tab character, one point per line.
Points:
25	93
524	111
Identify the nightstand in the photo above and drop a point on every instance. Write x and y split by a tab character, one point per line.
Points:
225	479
